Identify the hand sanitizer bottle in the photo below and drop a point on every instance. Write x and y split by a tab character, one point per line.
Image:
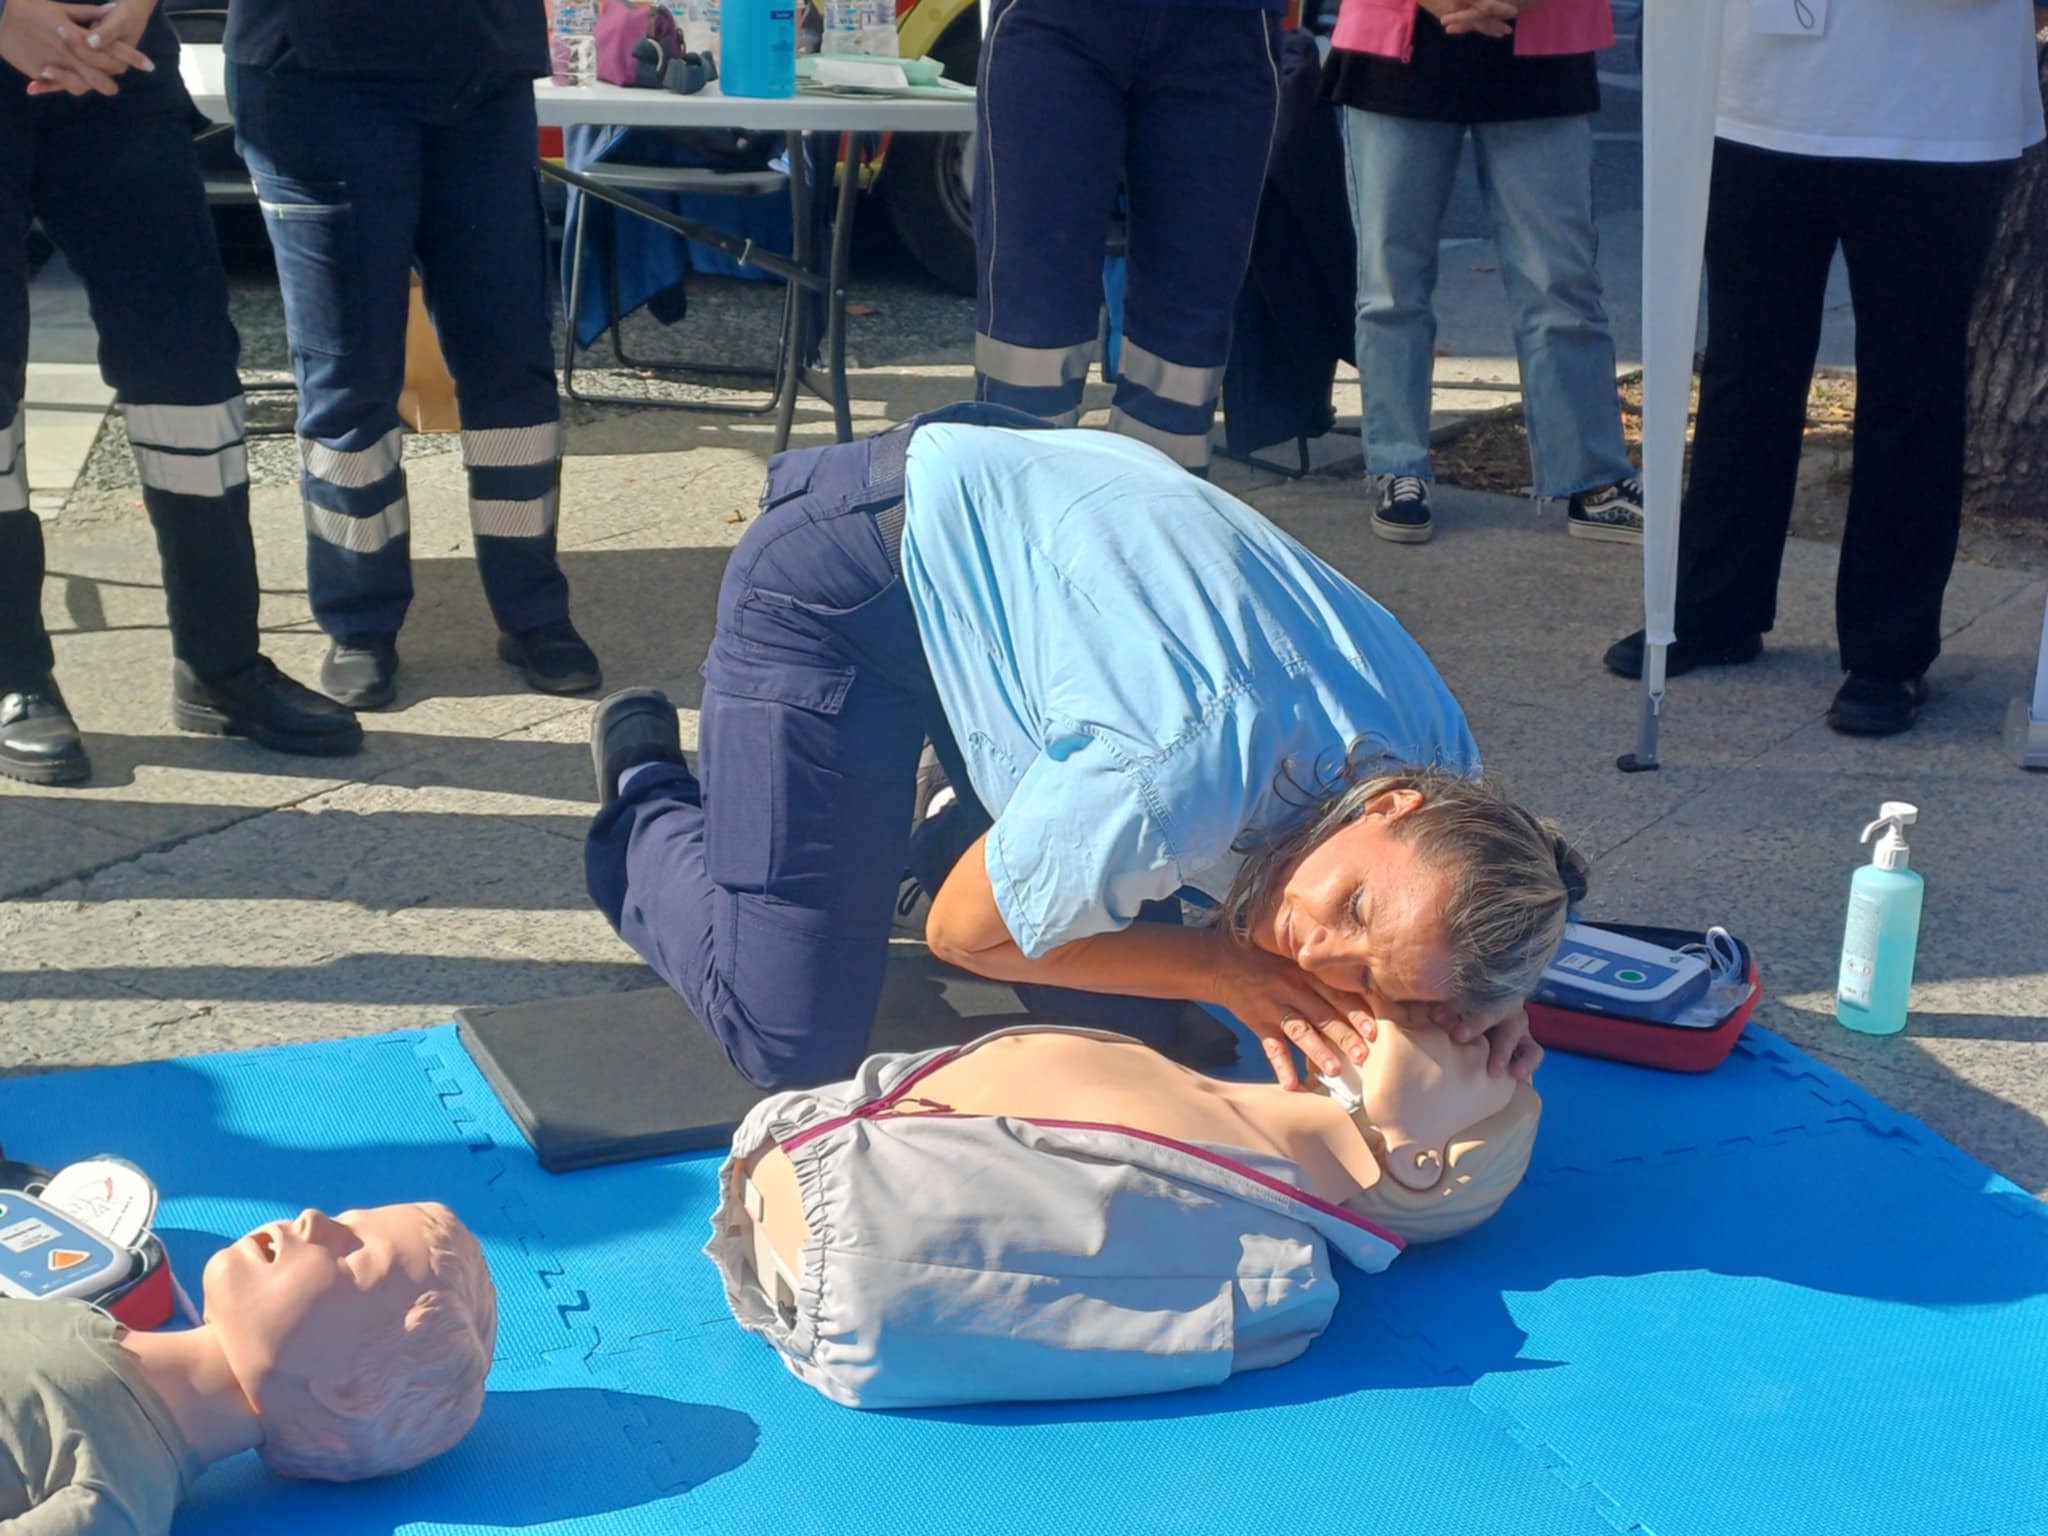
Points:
757	48
1883	930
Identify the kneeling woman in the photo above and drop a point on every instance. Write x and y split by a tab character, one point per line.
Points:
1050	1214
1146	690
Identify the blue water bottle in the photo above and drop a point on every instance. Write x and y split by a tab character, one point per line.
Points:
757	48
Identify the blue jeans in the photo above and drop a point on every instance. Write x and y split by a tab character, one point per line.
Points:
762	886
359	180
1537	178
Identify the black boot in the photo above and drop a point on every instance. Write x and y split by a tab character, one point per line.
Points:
361	671
38	742
267	707
553	657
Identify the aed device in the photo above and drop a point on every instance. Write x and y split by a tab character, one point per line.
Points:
45	1255
1600	970
1593	1024
85	1233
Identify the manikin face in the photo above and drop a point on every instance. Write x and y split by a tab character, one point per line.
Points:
1363	914
293	1302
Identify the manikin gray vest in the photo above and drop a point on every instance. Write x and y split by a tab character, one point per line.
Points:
978	1258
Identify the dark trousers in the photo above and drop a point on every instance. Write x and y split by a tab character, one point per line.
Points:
763	886
1914	237
116	184
360	181
1174	103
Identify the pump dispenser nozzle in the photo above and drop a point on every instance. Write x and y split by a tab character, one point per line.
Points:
1894	816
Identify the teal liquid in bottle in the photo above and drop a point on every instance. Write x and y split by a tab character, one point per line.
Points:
1883	932
757	48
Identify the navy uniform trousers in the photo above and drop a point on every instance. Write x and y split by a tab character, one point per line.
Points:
117	186
1175	103
762	887
359	180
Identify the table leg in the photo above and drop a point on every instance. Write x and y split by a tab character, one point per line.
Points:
851	149
797	330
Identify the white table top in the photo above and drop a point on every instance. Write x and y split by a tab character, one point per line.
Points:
204	68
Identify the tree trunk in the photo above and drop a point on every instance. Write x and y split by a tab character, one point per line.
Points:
2005	459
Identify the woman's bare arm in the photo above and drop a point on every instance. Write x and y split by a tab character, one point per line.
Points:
1274	998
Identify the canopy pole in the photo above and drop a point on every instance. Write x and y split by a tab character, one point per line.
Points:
2027	724
1644	758
1681	71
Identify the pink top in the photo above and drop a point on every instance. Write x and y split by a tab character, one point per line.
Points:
1387	27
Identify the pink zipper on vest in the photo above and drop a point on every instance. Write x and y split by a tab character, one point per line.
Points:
884	1108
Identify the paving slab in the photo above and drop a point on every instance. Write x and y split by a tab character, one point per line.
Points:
45	1034
46	849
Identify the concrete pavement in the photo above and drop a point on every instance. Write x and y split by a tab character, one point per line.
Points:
202	895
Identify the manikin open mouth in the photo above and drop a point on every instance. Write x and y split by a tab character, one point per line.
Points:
265	1239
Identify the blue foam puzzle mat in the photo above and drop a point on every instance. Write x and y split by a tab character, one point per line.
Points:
1757	1301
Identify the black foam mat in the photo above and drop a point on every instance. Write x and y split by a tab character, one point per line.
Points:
622	1075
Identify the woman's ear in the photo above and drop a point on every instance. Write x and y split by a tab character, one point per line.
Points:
1393	804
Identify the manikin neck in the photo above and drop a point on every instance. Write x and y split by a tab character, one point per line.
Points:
1312	1122
190	1373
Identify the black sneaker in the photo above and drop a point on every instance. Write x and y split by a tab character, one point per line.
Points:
633	726
262	704
1403	515
39	743
361	671
1876	706
1624	658
913	905
1613	515
933	792
553	657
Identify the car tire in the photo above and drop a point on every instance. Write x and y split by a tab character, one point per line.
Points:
928	178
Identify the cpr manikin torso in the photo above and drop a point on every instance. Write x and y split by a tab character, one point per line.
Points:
1433	1150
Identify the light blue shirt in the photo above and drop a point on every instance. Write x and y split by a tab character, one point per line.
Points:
1128	657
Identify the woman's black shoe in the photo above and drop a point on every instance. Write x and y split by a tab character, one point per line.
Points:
39	744
262	704
634	726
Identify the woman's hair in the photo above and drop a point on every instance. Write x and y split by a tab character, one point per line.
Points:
1513	877
415	1392
1482	1167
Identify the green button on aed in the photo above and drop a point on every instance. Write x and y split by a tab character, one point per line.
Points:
1630	976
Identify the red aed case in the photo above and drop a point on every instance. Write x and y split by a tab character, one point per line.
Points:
146	1298
1673	1047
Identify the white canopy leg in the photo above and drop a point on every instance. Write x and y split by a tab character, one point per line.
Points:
2027	725
1681	76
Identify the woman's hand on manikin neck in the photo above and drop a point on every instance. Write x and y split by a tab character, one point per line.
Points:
1289	1010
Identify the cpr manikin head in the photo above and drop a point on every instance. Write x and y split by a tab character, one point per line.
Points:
1451	1141
361	1340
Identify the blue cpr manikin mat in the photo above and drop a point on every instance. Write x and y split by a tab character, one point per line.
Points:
1755	1301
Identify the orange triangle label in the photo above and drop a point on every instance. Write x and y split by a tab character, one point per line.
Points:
67	1258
